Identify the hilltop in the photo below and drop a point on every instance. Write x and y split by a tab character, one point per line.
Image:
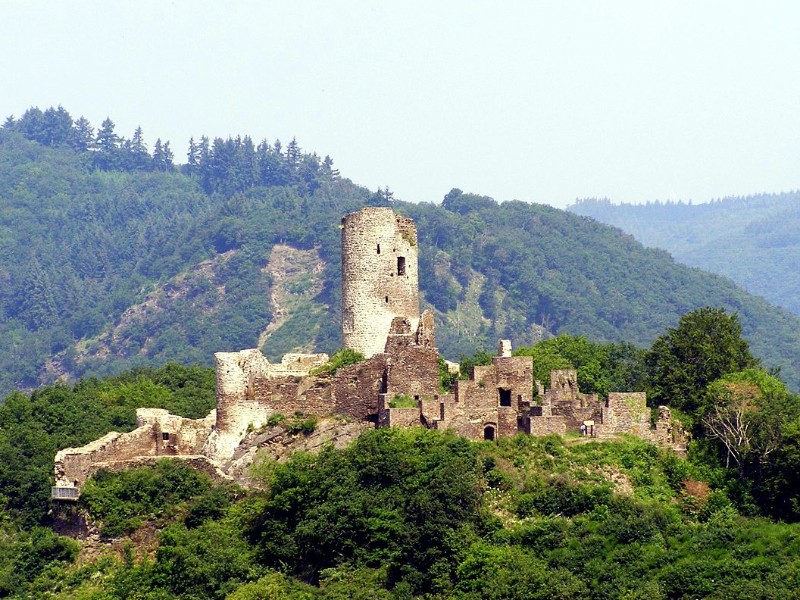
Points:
112	257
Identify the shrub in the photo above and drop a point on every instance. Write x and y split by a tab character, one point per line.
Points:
300	425
341	358
403	401
123	501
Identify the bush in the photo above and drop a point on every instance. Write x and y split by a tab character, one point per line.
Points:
299	425
123	501
403	401
339	359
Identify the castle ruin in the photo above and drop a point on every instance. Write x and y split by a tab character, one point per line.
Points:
380	279
397	385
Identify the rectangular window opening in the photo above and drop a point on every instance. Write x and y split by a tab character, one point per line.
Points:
379	248
505	397
401	265
165	436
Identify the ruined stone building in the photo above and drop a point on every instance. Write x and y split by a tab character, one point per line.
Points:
380	278
397	385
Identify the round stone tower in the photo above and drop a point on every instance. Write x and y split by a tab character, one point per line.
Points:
380	278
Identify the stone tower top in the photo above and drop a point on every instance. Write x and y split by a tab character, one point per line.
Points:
380	279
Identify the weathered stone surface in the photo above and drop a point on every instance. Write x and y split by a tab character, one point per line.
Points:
158	434
379	277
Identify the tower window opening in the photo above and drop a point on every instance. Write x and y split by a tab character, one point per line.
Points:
386	299
505	397
401	265
379	248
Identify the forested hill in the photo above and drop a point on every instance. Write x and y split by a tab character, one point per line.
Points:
753	240
111	256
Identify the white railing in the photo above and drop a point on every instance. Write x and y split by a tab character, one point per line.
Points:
65	493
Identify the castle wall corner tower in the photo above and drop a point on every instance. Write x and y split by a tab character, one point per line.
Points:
380	277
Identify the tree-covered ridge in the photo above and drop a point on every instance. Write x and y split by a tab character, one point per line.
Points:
752	240
546	271
221	165
416	513
83	246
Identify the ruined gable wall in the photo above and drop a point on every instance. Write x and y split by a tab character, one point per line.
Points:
373	291
413	371
516	375
355	389
74	465
626	412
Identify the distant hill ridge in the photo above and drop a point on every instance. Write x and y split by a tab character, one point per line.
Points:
105	266
753	240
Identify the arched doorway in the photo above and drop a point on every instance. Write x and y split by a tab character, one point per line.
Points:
489	432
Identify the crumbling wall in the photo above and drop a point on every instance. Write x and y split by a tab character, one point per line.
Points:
380	279
355	388
249	388
626	412
158	434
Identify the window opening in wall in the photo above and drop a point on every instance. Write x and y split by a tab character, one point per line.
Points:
386	299
401	265
441	411
488	432
165	436
505	397
379	248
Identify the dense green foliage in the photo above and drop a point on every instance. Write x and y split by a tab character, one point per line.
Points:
414	513
752	240
111	259
123	501
705	346
602	368
33	427
392	499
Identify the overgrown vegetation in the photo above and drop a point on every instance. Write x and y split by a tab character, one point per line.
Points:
343	357
403	401
416	513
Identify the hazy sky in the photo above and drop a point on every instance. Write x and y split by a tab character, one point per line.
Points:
537	101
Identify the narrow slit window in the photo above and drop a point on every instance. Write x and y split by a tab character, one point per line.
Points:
401	265
379	248
386	299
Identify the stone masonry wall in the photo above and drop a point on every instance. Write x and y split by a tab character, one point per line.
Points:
626	413
380	279
183	436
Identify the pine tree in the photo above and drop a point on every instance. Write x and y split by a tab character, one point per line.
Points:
192	158
108	144
139	156
82	135
327	169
